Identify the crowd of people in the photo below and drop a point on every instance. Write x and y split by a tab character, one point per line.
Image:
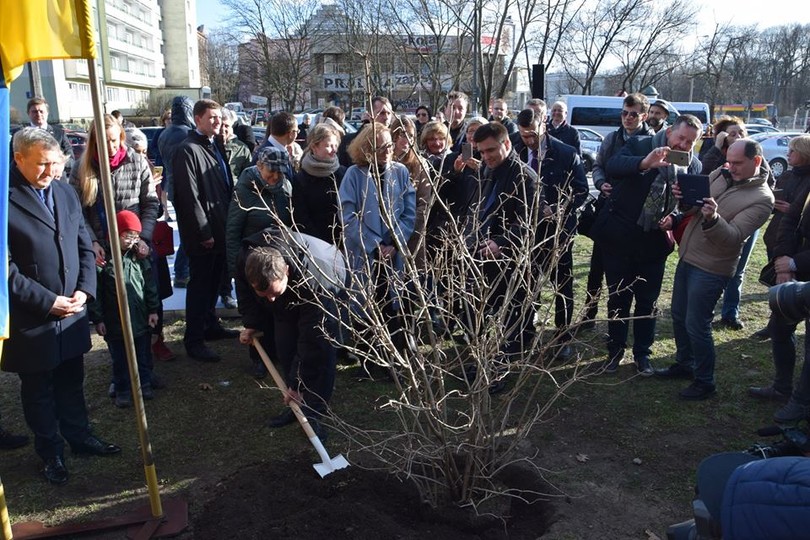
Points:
296	217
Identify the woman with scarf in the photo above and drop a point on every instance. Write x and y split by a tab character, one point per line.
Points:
378	211
133	189
315	200
261	199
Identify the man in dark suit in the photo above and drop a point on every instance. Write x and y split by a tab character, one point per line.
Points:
565	187
38	112
202	193
51	275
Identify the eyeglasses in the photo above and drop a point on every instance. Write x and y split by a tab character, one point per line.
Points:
631	114
385	147
131	236
422	114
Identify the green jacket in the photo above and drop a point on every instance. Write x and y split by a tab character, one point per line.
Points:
254	206
142	295
238	155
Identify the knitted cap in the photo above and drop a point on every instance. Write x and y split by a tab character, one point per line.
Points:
663	104
127	221
136	139
274	159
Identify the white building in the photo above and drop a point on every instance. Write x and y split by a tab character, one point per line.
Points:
143	45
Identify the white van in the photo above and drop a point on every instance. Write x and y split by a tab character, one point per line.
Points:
603	113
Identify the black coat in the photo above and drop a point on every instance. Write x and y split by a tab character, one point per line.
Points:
202	194
567	134
316	210
48	257
563	178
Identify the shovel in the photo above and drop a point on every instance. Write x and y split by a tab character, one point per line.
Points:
327	464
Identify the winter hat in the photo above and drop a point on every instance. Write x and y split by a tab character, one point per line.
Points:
128	221
663	105
136	139
274	159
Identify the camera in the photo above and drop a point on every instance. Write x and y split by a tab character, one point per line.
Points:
791	300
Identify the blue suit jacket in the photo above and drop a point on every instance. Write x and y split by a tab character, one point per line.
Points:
48	256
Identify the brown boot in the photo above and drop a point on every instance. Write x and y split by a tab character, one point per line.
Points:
160	351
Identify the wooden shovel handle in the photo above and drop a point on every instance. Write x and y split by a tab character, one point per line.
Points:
296	409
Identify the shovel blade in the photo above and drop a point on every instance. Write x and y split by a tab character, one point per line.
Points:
337	462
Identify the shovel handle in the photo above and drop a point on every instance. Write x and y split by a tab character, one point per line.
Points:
296	409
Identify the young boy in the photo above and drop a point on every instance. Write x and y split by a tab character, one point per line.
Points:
143	301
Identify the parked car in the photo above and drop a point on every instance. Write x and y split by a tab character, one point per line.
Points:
774	148
590	141
761	121
78	141
760	128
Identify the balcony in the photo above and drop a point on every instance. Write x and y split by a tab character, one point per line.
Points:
125	77
130	49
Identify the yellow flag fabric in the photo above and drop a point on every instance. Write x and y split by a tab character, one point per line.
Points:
33	30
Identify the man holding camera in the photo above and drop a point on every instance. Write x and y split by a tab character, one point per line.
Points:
740	202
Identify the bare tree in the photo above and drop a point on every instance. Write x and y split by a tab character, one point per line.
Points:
594	34
221	66
647	52
278	50
551	25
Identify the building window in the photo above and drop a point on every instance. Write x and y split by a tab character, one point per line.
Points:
131	96
113	94
115	62
79	91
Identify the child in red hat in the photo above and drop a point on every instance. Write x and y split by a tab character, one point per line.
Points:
142	296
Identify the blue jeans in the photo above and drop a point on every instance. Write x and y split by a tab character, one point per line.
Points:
783	343
143	354
733	292
629	280
694	295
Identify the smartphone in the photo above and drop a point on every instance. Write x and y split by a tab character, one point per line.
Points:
676	157
726	174
779	194
157	170
466	151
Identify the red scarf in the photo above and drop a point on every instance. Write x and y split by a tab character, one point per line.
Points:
117	159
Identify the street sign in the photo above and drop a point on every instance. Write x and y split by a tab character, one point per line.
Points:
258	100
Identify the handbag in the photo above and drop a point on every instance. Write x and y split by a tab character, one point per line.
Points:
767	276
163	239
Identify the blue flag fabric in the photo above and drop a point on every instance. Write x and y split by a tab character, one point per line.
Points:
5	159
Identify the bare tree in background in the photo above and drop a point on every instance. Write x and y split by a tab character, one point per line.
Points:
551	25
594	35
278	52
221	66
647	52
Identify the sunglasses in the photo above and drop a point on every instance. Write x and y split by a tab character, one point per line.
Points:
631	114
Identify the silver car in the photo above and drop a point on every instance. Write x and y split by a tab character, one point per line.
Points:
775	147
590	141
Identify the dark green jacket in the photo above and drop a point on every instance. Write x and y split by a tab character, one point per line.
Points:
142	296
254	206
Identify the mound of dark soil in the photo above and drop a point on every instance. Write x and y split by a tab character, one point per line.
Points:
287	499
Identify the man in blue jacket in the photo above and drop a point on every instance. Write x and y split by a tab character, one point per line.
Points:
52	275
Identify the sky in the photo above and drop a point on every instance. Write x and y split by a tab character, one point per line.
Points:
763	13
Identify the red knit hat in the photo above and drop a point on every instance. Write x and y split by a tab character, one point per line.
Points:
128	221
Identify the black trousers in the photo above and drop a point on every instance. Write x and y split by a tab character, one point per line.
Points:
205	278
53	403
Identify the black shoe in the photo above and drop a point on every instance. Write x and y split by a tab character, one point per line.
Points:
675	371
123	400
792	412
55	471
762	335
229	302
220	332
768	393
563	352
111	390
284	419
731	324
94	446
10	442
147	392
202	353
345	357
696	392
644	367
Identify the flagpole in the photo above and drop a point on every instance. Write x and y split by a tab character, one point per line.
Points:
106	190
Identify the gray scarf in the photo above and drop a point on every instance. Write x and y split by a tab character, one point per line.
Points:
319	168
